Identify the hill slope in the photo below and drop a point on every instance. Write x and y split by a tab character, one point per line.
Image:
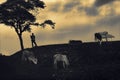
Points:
88	61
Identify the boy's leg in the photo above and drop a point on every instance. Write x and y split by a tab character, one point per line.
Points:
35	43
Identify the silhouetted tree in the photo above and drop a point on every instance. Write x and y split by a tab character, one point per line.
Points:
16	13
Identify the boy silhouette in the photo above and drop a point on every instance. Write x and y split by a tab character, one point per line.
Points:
33	40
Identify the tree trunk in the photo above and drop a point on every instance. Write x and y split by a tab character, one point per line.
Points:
21	41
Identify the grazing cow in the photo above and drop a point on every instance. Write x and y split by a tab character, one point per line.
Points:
75	42
29	56
60	61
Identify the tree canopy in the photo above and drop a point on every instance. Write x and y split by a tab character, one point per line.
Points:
16	13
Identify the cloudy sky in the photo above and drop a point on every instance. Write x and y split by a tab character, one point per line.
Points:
75	20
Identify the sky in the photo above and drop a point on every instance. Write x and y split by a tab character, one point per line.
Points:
75	20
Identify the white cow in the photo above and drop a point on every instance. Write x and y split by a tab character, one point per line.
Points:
62	58
29	56
103	35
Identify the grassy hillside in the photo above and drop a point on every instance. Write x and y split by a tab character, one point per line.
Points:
88	61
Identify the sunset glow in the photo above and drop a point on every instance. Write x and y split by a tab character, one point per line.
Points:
1	1
75	19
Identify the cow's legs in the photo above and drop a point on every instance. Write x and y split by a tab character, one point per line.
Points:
64	65
55	64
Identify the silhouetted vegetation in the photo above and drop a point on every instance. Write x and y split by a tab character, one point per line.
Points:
16	13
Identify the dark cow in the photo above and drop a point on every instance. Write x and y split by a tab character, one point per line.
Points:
98	37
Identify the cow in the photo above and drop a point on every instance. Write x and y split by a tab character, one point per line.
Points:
29	56
102	35
98	37
60	61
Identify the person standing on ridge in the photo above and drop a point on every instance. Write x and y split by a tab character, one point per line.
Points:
33	40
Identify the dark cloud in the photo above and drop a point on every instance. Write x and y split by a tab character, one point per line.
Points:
55	7
70	5
91	11
66	7
109	21
80	8
99	3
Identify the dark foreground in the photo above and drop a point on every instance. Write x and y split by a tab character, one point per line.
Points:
88	61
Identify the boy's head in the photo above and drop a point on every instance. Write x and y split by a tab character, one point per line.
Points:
32	33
